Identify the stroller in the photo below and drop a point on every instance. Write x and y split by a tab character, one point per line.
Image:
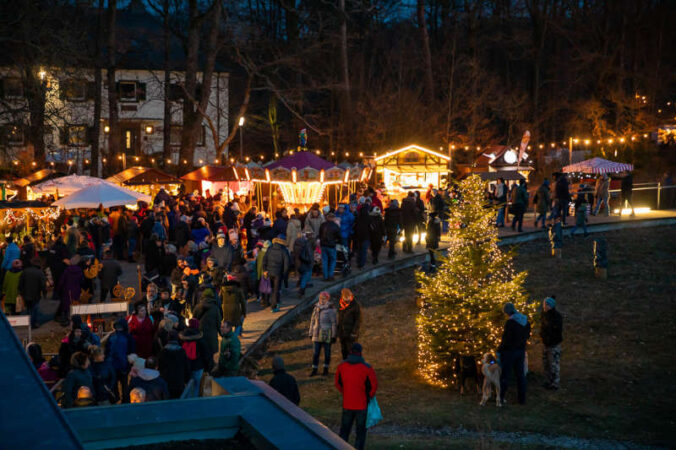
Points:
343	260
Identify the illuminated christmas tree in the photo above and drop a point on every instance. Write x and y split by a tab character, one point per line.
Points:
461	313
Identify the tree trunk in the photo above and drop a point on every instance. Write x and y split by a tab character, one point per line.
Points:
190	85
347	98
95	168
427	54
35	96
166	130
114	129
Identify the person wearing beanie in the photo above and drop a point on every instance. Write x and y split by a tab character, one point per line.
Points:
512	351
551	332
284	383
323	331
357	382
174	365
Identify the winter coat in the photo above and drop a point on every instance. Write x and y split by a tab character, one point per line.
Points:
303	254
521	196
279	226
544	199
154	256
199	234
75	379
67	348
150	381
433	233
69	285
561	191
377	229
357	381
346	224
349	320
195	348
323	324
276	259
32	285
409	212
602	187
12	252
208	312
10	286
174	368
293	228
515	334
393	220
228	358
313	223
627	184
551	328
109	274
286	385
118	346
103	378
259	262
362	226
329	234
142	332
234	303
182	233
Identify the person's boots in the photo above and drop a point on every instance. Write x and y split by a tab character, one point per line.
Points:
326	371
314	372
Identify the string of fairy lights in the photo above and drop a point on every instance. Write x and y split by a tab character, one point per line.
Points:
462	301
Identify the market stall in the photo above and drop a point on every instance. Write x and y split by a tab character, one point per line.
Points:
598	166
147	180
232	179
24	185
411	168
20	217
62	186
106	194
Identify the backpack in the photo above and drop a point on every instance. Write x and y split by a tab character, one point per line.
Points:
190	350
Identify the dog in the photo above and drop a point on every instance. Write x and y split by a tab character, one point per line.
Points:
491	372
465	368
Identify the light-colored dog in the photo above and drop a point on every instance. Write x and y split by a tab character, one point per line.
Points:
491	372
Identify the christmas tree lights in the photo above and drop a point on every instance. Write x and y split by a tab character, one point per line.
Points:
461	313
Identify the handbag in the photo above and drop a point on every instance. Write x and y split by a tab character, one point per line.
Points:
264	287
373	413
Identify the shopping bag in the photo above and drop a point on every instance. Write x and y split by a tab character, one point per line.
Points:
265	287
373	413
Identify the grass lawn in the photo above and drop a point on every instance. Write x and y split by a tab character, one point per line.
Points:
617	374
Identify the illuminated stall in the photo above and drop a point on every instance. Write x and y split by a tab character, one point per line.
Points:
411	168
146	180
234	180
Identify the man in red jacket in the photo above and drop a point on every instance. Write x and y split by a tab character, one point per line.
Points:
357	381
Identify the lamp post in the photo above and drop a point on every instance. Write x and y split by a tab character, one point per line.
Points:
241	138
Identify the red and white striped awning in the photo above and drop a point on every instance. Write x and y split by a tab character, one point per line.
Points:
598	165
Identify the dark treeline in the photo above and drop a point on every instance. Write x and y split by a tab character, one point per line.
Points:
366	75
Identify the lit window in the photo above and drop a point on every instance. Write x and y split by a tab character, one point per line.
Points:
77	135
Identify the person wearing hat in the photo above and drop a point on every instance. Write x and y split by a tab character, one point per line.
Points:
512	351
357	382
141	329
32	287
346	224
284	383
200	360
551	332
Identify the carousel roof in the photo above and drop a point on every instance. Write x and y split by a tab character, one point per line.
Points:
301	160
143	175
216	173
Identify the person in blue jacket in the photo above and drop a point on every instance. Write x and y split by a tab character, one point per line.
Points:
346	224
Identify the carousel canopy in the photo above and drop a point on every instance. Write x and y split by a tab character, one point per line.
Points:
106	194
35	177
504	174
66	185
216	173
301	160
138	175
598	165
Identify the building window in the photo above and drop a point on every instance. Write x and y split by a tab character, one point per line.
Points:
176	131
127	91
77	135
12	87
75	90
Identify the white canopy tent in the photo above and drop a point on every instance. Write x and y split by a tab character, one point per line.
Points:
106	194
67	185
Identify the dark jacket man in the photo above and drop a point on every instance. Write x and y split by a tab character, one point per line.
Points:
234	303
208	312
174	366
551	329
32	284
77	377
409	211
150	381
109	275
284	383
276	259
329	234
512	351
349	322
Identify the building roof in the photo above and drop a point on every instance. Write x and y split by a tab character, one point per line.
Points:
301	160
139	175
216	173
36	177
494	156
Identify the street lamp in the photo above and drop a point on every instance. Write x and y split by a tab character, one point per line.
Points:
241	137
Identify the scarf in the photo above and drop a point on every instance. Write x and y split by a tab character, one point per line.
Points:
345	303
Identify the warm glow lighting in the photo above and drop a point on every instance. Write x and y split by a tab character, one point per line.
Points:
333	153
262	157
119	157
168	161
347	153
598	141
246	158
201	162
413	147
241	121
361	153
106	129
466	147
347	176
105	160
553	145
216	161
645	135
34	163
42	74
317	152
510	157
640	210
541	146
610	141
622	140
152	160
136	158
575	141
294	176
232	160
587	142
149	129
633	138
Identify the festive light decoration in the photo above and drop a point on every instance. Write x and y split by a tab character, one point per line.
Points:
461	312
